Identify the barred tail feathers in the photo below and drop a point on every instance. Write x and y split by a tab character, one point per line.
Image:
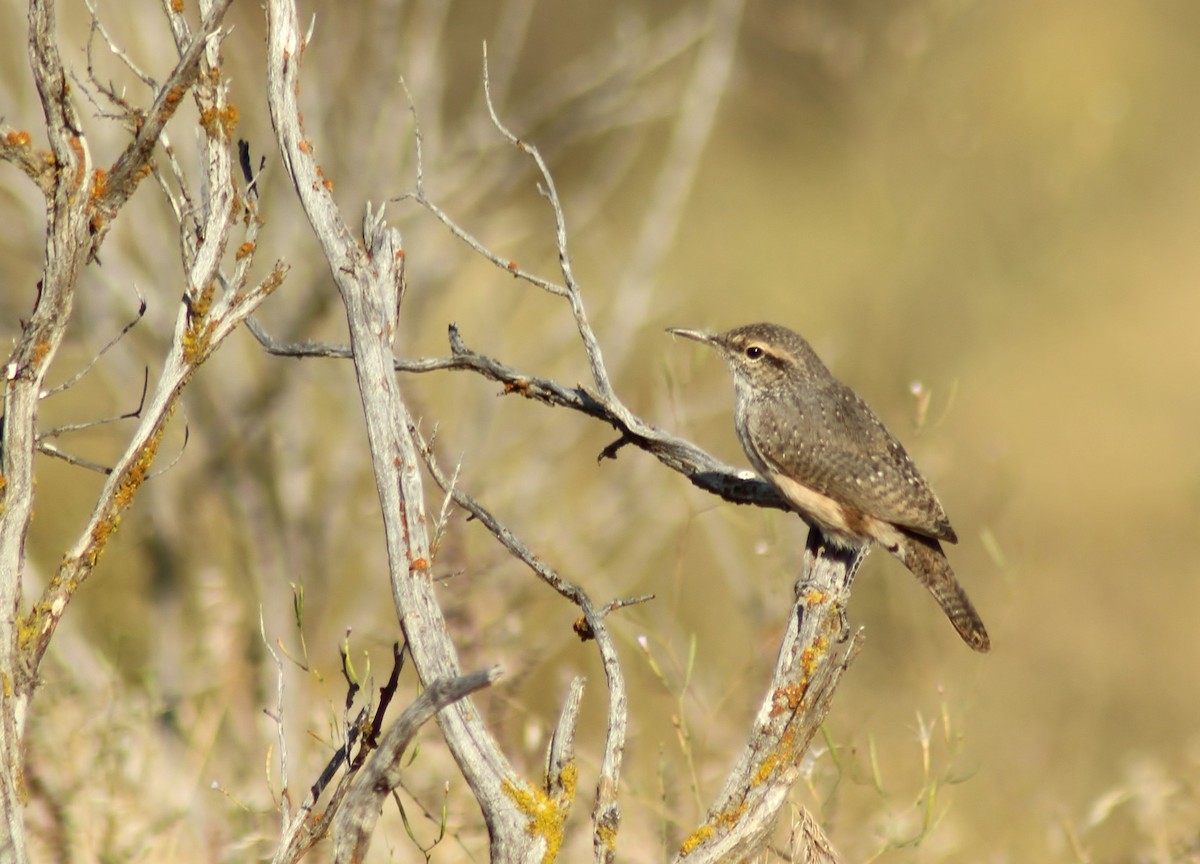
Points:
925	558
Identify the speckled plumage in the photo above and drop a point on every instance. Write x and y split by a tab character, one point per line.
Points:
832	458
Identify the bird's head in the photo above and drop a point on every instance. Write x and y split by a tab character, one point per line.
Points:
761	356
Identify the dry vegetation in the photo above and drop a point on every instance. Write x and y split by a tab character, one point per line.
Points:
997	200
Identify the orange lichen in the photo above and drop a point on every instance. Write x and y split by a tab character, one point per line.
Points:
18	138
177	6
99	182
219	123
788	698
606	834
273	281
519	386
229	119
40	350
174	97
726	819
80	159
101	532
136	473
243	251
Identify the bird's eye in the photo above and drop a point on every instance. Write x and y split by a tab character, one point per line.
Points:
754	352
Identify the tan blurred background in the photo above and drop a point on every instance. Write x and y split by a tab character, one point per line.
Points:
995	200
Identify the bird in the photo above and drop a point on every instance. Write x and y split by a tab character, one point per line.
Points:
824	450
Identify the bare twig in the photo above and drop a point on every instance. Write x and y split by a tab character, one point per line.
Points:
117	51
78	376
606	814
388	691
590	344
561	771
418	195
44	446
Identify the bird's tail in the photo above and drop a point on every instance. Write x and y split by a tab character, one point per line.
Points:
925	558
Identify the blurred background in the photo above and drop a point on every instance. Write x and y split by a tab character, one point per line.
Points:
981	214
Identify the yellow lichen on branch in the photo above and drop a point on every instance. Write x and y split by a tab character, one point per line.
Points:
197	337
782	755
547	815
695	839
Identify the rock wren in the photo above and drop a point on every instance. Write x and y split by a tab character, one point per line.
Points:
824	450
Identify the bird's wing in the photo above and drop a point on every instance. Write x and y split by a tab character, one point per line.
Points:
834	443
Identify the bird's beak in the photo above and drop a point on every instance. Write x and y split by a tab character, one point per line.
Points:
695	335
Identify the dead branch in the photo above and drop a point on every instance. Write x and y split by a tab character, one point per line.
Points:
370	278
606	813
68	233
817	648
359	811
81	203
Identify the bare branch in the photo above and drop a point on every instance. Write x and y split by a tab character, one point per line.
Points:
369	277
67	186
817	648
117	51
511	266
356	817
418	195
606	814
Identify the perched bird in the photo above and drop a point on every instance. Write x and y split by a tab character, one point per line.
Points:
827	453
